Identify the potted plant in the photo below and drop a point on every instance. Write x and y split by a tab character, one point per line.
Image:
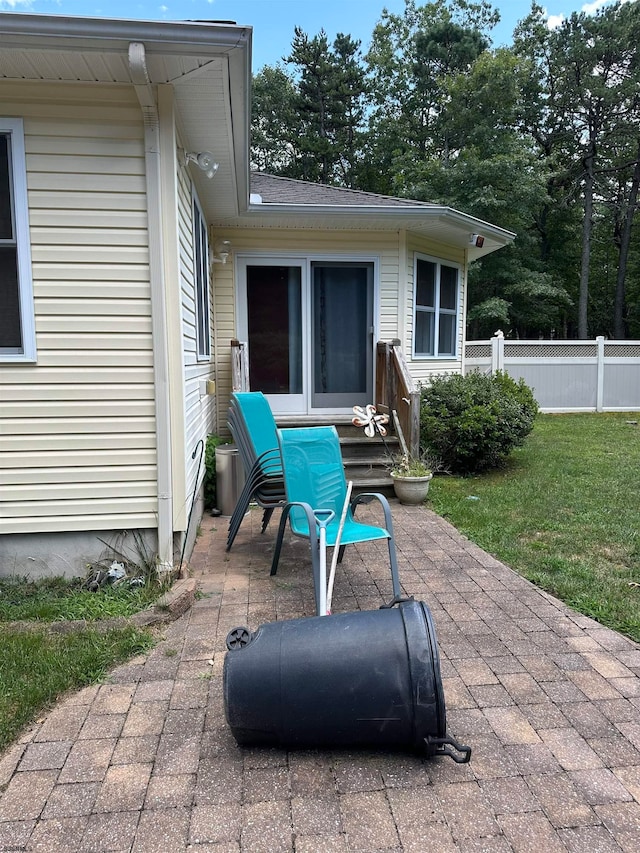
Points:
411	477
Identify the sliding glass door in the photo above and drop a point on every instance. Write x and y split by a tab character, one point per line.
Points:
275	333
342	334
309	328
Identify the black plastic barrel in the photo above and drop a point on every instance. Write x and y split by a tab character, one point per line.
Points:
370	678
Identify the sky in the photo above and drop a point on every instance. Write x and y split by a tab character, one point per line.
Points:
273	21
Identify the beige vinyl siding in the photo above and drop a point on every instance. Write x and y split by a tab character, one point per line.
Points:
77	446
383	246
199	409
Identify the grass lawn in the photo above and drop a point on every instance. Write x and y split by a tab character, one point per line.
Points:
564	513
37	666
50	599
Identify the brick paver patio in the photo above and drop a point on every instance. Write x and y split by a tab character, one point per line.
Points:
548	700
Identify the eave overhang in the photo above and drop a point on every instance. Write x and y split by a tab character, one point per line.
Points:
440	223
208	64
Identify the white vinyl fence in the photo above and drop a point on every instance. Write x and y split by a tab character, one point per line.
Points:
566	376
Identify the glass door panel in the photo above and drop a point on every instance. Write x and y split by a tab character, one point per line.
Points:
342	334
274	334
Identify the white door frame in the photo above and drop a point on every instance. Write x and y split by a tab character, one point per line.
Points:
283	404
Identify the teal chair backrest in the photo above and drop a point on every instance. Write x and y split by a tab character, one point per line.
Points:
313	471
259	419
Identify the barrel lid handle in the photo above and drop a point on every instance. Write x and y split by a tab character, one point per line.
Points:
397	599
438	746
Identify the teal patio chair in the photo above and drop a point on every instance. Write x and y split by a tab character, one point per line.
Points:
253	428
316	486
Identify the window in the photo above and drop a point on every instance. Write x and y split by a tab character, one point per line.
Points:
17	332
436	308
201	270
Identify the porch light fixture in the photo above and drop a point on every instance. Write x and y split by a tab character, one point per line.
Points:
476	240
221	251
203	160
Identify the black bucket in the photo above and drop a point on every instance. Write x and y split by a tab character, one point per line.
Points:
370	678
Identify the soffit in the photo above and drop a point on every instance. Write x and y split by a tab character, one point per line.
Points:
209	81
90	66
440	224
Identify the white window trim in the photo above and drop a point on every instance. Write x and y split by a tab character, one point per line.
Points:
27	353
203	348
439	262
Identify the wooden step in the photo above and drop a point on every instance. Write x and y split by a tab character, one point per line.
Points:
338	421
370	482
342	423
366	460
369	449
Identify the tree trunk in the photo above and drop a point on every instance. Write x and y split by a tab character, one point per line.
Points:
587	224
619	329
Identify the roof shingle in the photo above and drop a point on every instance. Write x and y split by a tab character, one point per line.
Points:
277	190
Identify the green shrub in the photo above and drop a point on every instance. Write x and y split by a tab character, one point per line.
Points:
473	422
210	496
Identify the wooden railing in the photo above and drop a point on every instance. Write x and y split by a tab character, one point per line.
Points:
239	366
395	388
397	392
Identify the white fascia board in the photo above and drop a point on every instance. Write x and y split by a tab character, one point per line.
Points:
400	215
179	37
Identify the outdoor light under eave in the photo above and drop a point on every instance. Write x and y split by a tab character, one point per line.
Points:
203	160
476	240
221	251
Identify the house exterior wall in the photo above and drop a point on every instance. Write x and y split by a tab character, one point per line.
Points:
78	429
198	405
395	252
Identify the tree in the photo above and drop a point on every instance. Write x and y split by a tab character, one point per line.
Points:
581	96
410	59
490	170
329	100
275	122
308	123
626	212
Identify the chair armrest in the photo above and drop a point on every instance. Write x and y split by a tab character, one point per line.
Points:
367	497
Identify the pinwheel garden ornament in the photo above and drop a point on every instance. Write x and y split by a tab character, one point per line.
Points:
369	418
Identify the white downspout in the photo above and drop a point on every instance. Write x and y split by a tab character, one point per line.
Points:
144	92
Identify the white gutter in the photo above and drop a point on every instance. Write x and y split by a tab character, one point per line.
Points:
394	212
182	37
144	92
